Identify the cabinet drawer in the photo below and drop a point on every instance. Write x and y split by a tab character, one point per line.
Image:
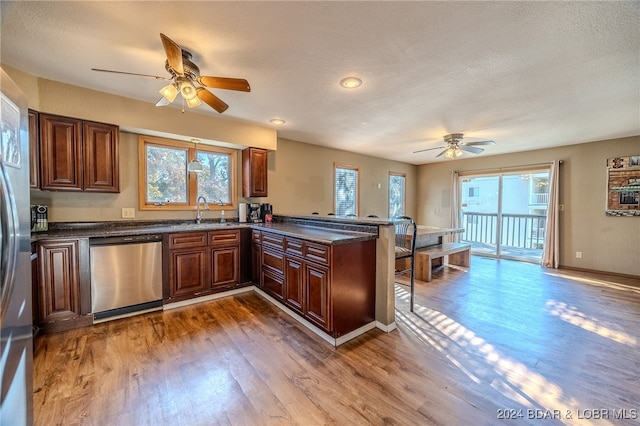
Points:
273	284
187	239
273	259
256	237
293	246
224	237
317	253
273	239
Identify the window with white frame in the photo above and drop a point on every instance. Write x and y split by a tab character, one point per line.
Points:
346	189
165	183
397	191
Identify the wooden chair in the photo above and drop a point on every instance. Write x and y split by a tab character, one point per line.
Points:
405	250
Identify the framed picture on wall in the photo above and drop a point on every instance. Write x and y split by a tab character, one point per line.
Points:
623	186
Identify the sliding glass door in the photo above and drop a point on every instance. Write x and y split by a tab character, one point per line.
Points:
504	214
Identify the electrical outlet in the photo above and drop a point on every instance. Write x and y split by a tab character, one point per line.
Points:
561	207
128	213
579	255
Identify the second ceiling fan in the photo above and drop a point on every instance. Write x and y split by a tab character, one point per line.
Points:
186	79
455	146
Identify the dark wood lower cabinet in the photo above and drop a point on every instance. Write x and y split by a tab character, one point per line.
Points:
316	292
331	286
64	293
294	277
188	271
225	266
198	263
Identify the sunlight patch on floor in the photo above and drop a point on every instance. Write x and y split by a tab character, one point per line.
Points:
595	282
572	315
482	362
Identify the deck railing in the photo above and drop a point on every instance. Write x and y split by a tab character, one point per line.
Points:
516	230
539	198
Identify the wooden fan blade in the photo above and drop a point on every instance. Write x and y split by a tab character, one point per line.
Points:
212	100
429	149
477	143
239	84
157	77
471	149
174	54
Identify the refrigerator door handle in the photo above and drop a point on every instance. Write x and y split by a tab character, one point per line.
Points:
8	239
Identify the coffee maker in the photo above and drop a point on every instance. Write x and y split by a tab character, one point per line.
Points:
265	209
253	212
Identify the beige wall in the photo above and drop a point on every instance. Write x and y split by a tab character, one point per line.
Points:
300	182
608	243
301	179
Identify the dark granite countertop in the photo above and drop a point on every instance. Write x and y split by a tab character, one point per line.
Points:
122	228
315	234
304	231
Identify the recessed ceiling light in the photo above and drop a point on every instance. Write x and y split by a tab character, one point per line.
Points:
277	121
350	82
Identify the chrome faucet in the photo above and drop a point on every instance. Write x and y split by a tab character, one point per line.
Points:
198	212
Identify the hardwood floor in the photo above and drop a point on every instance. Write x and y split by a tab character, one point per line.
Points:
497	340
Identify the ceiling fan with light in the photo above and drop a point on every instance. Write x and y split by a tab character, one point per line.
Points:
186	79
455	146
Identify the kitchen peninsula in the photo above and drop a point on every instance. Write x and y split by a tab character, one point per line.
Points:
325	272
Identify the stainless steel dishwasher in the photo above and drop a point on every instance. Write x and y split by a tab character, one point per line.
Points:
126	275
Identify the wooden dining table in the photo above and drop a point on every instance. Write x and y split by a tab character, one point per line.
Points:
432	235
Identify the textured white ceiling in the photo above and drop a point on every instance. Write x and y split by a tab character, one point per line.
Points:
528	75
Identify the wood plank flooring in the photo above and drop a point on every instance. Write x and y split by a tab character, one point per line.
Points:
496	340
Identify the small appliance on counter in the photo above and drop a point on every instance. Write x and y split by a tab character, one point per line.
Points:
39	218
253	212
242	212
265	209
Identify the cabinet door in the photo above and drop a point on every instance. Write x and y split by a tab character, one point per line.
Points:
225	266
188	271
101	157
293	283
34	150
256	264
254	172
59	280
273	284
317	305
60	153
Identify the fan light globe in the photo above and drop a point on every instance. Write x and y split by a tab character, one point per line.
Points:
449	154
193	102
188	91
169	92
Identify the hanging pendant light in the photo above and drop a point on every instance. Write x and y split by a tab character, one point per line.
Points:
194	165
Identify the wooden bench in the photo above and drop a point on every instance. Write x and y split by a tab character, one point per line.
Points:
459	254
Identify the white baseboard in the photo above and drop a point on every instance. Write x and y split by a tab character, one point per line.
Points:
334	341
386	327
206	298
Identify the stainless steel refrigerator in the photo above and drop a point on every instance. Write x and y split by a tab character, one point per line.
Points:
16	338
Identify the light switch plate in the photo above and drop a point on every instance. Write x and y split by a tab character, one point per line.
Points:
128	213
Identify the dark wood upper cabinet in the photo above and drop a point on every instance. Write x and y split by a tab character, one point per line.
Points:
34	150
101	157
254	172
60	153
77	155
